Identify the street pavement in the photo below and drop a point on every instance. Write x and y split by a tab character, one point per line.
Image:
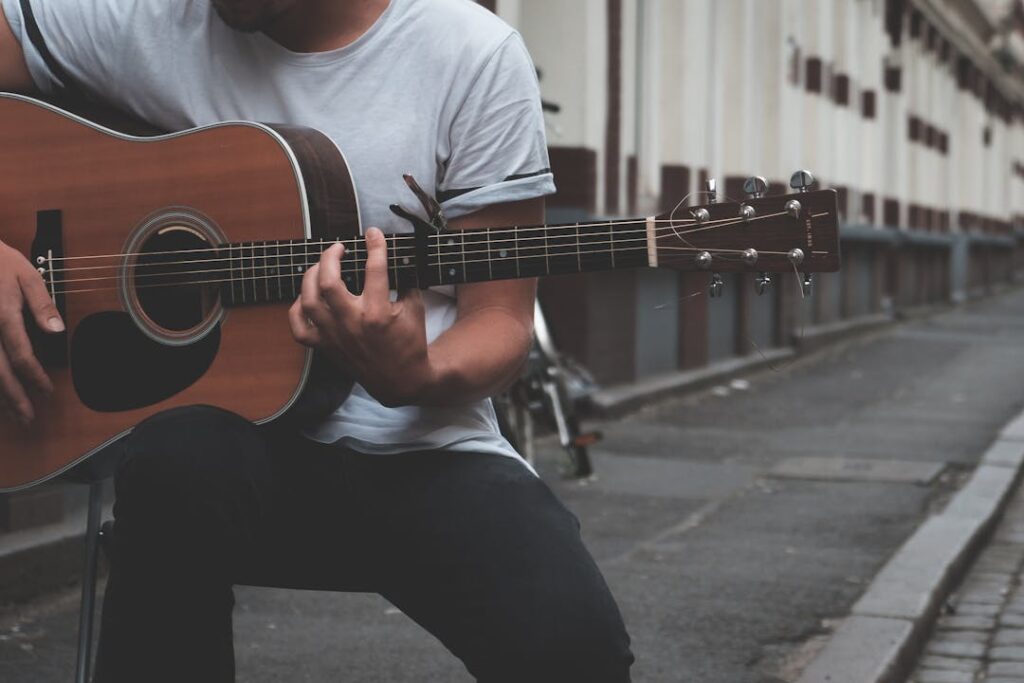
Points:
724	571
980	638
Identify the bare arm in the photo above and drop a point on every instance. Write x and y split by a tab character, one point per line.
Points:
14	75
483	352
383	344
21	376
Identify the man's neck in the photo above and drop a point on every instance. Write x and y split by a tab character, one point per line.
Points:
321	25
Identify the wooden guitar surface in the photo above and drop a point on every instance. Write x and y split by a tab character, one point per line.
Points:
97	189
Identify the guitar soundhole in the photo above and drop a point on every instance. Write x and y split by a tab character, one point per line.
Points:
172	275
175	279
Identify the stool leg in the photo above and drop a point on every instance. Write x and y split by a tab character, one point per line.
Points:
85	614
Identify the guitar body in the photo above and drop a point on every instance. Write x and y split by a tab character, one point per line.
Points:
71	190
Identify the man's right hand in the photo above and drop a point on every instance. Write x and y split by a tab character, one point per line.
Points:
21	375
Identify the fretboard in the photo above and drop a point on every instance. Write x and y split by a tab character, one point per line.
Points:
262	272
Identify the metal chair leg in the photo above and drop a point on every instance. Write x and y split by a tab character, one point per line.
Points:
85	614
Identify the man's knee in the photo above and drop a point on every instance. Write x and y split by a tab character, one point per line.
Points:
185	456
593	648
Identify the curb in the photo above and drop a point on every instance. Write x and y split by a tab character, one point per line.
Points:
879	642
617	400
623	398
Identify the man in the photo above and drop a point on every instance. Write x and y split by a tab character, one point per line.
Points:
407	489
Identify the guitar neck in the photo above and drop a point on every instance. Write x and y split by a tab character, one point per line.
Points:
263	272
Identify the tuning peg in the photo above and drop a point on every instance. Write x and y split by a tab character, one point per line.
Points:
715	286
801	181
703	259
807	285
711	190
762	283
755	186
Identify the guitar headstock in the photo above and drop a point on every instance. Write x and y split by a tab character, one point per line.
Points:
783	234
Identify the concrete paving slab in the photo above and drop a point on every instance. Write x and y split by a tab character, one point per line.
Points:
863	650
1005	453
857	469
668	478
909	585
1014	431
981	497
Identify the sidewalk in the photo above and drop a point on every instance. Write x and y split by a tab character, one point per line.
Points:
981	636
736	526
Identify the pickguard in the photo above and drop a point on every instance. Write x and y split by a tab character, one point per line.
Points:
115	367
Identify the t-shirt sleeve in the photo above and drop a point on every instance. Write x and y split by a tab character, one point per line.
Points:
498	152
82	36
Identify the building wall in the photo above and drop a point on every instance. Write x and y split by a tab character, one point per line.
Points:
900	105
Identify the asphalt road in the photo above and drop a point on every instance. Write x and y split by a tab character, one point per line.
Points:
723	572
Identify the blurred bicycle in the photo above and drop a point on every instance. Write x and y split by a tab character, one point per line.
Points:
546	395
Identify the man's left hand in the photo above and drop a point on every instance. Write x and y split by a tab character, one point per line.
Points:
382	344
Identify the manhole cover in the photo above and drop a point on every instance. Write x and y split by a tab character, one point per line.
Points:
858	469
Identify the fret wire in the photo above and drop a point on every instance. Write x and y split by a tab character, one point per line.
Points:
231	266
440	275
515	241
462	239
266	282
280	286
252	267
291	266
394	266
490	267
612	242
579	264
547	259
355	257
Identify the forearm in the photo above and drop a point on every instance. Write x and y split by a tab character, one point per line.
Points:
479	356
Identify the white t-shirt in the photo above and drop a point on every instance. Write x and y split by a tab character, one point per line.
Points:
441	89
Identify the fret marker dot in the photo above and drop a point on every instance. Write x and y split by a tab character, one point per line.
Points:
451	242
451	271
503	253
298	269
405	260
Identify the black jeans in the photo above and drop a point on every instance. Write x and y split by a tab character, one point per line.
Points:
471	546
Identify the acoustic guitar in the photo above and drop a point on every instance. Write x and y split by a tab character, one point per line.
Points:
173	260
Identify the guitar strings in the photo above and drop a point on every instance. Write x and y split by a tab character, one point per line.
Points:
437	236
242	281
490	233
269	261
356	249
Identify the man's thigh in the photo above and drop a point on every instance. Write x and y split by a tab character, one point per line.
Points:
264	506
479	551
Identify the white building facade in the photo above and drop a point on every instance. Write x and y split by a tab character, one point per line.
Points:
910	109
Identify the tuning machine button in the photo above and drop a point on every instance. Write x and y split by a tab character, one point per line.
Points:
755	186
807	284
762	283
801	181
715	286
711	190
